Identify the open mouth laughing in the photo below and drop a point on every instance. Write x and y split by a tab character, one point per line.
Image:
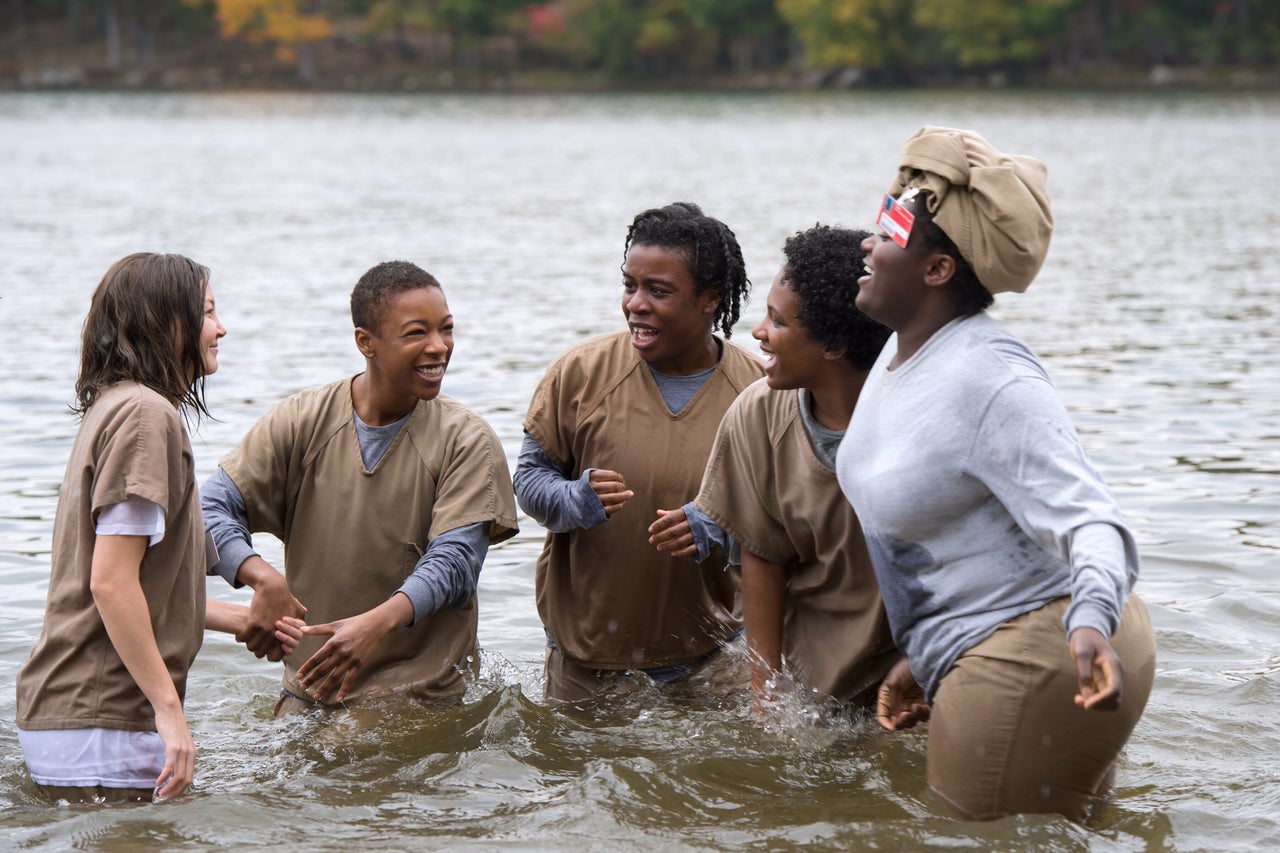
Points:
641	335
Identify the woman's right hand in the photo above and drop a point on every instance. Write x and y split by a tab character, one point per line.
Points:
289	633
611	488
901	704
179	754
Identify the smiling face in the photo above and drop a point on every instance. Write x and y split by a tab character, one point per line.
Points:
407	354
894	287
210	333
670	323
795	359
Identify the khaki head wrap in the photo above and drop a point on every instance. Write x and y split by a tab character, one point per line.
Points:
993	206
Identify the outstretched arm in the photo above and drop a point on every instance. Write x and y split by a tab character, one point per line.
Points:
226	519
224	618
228	618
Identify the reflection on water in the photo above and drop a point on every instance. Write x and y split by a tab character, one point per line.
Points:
1156	313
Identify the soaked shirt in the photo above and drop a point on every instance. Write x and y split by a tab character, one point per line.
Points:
560	504
131	443
96	756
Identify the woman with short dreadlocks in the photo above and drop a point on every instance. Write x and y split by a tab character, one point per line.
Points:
619	428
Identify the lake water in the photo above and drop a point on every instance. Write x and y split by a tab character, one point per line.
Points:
1156	313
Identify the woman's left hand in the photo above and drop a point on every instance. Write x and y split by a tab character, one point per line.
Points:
335	666
1098	667
671	532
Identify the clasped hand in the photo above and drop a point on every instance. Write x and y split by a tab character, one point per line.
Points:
272	602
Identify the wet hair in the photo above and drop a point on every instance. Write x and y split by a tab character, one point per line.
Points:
379	284
709	248
967	293
144	325
822	268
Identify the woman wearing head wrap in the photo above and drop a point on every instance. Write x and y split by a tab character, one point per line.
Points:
1005	565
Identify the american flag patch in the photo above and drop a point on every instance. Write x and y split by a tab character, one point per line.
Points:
895	220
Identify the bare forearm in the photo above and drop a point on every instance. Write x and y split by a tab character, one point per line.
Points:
271	602
396	612
123	608
224	617
257	574
764	591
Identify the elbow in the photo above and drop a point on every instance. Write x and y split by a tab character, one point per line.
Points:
532	506
525	506
521	485
464	590
105	589
517	486
520	477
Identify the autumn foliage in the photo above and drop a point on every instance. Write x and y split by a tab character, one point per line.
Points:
287	24
820	41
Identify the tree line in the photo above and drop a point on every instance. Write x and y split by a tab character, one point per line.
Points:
828	41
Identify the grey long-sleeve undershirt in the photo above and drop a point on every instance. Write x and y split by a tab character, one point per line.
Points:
445	576
560	504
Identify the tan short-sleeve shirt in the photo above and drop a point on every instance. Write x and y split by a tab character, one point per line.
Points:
765	486
352	535
131	443
607	597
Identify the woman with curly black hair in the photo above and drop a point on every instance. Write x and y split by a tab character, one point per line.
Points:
624	422
809	593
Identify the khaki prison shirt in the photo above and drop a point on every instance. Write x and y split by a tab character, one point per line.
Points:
765	486
131	443
351	535
607	597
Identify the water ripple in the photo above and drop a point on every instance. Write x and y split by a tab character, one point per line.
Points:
519	206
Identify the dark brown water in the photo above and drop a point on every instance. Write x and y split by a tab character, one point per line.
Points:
1156	312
